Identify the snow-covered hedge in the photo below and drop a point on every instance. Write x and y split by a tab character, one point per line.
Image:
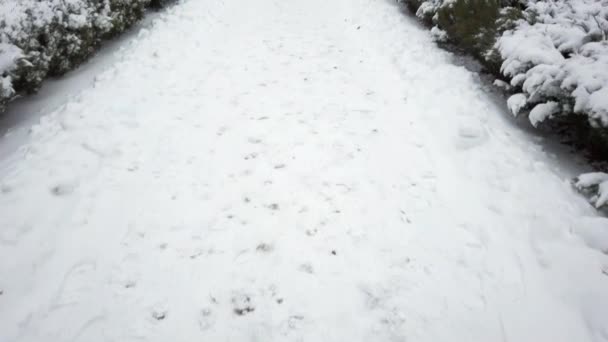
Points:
42	38
595	185
472	25
554	52
558	57
553	55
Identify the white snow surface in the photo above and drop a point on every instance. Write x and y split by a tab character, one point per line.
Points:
594	232
291	171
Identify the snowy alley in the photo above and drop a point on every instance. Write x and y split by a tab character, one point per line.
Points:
291	171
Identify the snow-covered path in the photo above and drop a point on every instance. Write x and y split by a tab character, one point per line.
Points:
291	171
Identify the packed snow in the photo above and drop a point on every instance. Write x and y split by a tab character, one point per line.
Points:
292	171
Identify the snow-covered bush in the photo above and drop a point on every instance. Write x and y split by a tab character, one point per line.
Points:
473	25
557	60
595	185
46	38
558	56
9	54
553	53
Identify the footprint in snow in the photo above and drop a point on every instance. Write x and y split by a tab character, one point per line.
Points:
5	188
76	284
250	156
12	235
292	324
306	268
159	311
159	315
242	304
294	321
206	319
264	247
254	140
221	131
312	232
470	135
64	188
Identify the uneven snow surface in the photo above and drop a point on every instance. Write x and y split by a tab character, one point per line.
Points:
291	171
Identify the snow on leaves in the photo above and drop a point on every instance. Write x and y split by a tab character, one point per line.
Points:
559	52
552	51
596	185
48	38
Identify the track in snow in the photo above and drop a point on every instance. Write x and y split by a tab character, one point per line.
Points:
290	171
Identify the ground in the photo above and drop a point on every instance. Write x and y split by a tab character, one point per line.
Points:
290	171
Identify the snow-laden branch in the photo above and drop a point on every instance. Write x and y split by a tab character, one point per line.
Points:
594	184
